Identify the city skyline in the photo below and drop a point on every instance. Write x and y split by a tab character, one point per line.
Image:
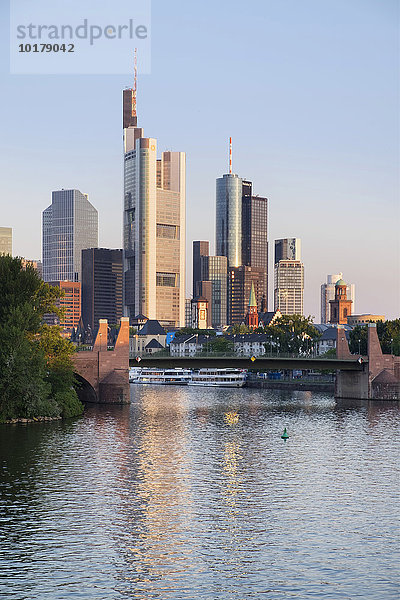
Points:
326	160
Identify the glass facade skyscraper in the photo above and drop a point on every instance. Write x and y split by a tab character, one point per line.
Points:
101	286
228	228
242	236
70	224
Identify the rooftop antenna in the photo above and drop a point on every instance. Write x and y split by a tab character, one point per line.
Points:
134	84
230	156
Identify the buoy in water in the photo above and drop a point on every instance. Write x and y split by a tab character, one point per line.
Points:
285	434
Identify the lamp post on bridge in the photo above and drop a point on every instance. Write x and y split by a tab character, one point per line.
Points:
359	346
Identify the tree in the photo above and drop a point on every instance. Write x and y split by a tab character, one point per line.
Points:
388	334
240	329
294	333
36	376
218	344
192	331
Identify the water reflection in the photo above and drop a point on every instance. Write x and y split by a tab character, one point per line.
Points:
192	494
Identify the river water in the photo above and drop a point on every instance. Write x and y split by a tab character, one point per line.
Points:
191	494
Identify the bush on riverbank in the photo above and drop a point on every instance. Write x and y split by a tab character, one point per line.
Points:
36	371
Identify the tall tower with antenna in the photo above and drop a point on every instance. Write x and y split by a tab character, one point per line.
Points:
154	223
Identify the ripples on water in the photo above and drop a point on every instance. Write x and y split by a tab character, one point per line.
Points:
191	494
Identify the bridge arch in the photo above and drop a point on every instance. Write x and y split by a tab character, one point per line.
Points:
85	390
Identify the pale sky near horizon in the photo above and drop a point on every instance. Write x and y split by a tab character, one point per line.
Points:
308	91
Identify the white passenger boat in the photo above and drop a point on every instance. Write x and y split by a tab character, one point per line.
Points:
161	376
219	378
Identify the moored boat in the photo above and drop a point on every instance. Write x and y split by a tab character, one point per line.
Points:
153	376
218	378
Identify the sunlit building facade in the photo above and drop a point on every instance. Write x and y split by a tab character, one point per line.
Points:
154	230
6	240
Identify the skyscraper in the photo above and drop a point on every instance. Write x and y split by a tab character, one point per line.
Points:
229	219
242	233
101	286
242	279
289	277
214	269
255	232
199	249
70	224
154	225
328	293
5	240
287	249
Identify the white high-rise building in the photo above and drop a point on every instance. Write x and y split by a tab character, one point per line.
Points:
6	240
288	277
328	293
154	225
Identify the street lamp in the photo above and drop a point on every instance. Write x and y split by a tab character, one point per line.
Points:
270	345
359	346
391	345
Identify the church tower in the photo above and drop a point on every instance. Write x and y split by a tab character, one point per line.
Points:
252	313
340	306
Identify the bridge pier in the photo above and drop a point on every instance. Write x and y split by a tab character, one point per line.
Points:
106	371
380	377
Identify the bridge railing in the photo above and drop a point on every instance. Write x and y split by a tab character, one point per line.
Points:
167	354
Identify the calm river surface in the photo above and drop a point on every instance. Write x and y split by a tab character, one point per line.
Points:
191	494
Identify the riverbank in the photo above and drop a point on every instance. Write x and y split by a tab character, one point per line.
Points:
33	420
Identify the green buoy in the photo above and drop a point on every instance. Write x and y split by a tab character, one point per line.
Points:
285	434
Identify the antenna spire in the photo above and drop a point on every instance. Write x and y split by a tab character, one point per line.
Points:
230	156
134	114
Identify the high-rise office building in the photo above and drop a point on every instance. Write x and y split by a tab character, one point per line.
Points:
69	303
328	293
255	232
228	228
214	269
287	249
199	249
70	224
241	281
101	286
6	240
289	277
154	225
242	232
289	287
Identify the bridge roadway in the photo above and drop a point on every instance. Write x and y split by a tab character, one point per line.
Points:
262	362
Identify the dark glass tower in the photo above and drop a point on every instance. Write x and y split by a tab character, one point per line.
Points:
101	286
199	249
255	232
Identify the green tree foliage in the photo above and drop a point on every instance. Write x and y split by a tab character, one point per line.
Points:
34	381
219	344
240	329
190	330
388	334
294	333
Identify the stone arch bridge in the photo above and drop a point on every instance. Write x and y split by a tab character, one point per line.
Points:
103	374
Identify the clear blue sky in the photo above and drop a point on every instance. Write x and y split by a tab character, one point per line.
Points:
308	91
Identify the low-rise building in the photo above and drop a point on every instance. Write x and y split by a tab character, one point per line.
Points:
327	341
354	320
251	344
143	342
